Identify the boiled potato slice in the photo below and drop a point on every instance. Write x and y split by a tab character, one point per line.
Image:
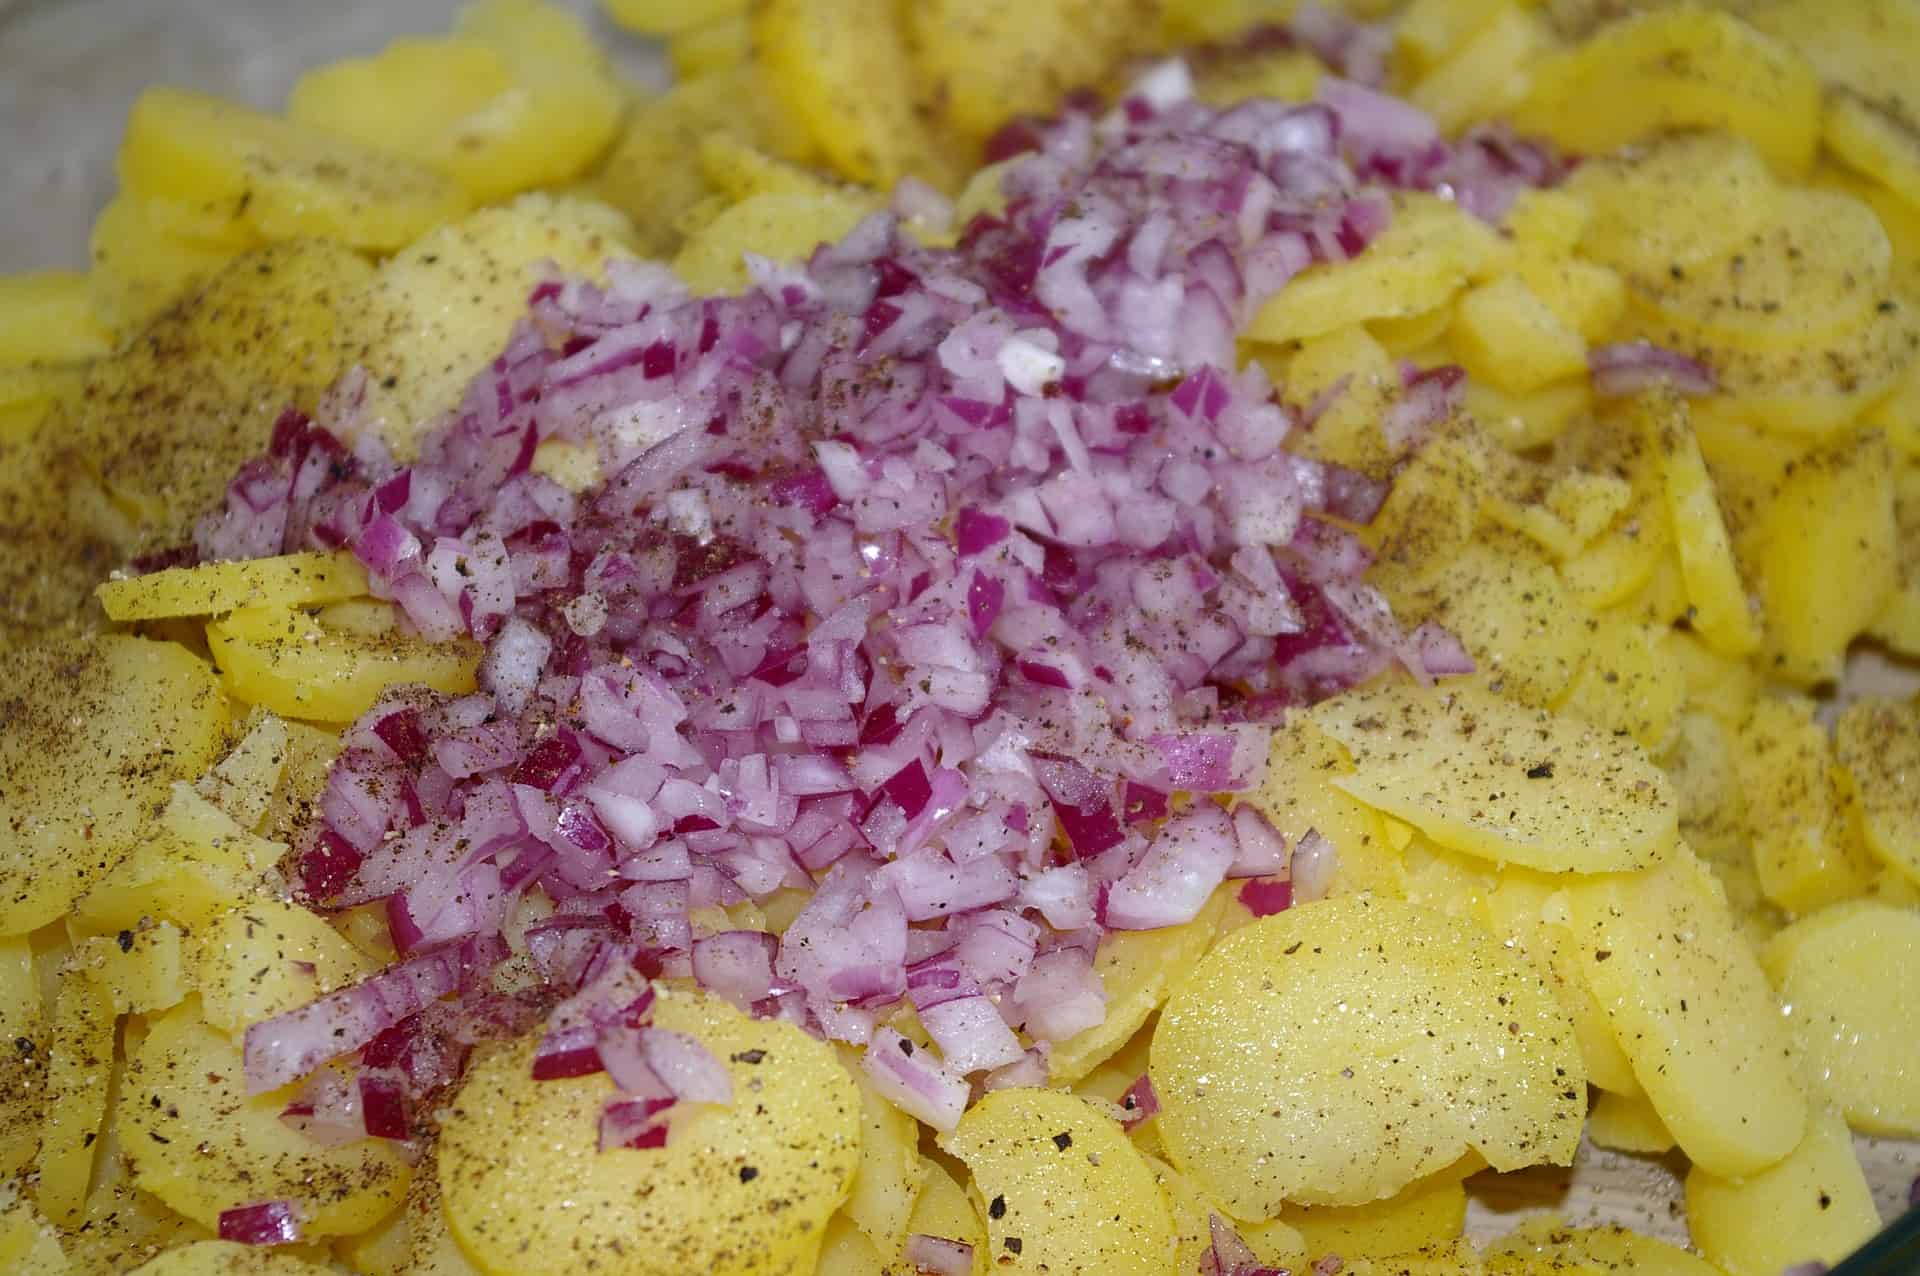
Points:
44	318
1878	742
29	1245
1349	375
96	729
1628	1123
1482	775
82	1064
1431	250
1632	682
525	1191
1803	851
197	864
242	784
1849	984
944	1209
1429	1212
1192	1217
1866	45
1692	1011
891	1170
1545	1245
1505	335
1298	795
496	112
1810	393
1813	271
144	259
287	663
225	1258
1488	75
1334	1053
1065	1192
1815	1203
1525	421
138	971
1875	142
841	68
985	61
267	958
1682	202
670	17
1136	967
294	180
779	226
847	1252
289	580
198	1142
23	1069
1674	69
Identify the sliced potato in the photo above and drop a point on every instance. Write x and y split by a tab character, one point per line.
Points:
1628	1123
1442	1041
1849	984
1428	1212
1065	1192
83	1034
289	580
891	1171
1482	775
525	1191
96	729
1878	742
226	1258
1691	1009
289	180
267	958
1545	1246
285	662
1684	202
44	319
781	227
1815	1203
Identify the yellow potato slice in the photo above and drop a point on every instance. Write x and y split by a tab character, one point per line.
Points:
290	180
1815	1203
891	1171
23	1071
1849	984
944	1209
1505	335
96	731
1811	393
1812	271
267	958
841	68
44	318
83	1030
526	1192
1137	968
225	1258
1431	250
1298	795
1672	69
1692	1010
1805	854
1335	1053
197	864
144	260
779	226
670	17
285	662
1878	742
139	971
1487	777
1065	1192
1628	1123
29	1245
1546	1245
1488	75
1874	141
1683	201
198	1142
1429	1212
289	580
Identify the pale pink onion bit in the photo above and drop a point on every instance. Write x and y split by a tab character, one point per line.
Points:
261	1223
922	582
938	1255
1627	367
1140	1103
1229	1255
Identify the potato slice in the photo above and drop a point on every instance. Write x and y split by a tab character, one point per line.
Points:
83	1032
1137	968
944	1209
1675	69
1816	1204
1335	1053
23	1069
1427	1212
891	1171
1804	853
267	958
285	662
198	1142
225	1258
1546	1245
1721	613
1811	393
841	68
1849	984
29	1245
784	227
1430	251
1065	1192
292	181
96	729
1683	201
1482	775
526	1193
1878	742
139	971
289	580
197	865
1628	1123
44	318
1690	1007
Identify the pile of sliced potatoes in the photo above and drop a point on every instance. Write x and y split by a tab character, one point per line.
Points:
1641	880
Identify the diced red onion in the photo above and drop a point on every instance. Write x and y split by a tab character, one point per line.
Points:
1188	858
290	1045
914	1080
1314	864
938	1255
1140	1103
262	1223
1627	367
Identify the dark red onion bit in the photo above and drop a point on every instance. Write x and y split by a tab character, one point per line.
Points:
570	1052
634	1123
976	531
1141	804
261	1223
401	732
1265	896
326	869
909	789
383	1106
1089	829
551	764
1139	1103
289	1046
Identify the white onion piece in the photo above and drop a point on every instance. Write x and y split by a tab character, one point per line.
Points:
914	1080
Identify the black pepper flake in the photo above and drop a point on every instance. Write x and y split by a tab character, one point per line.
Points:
1542	772
749	1056
1601	954
125	940
748	1174
997	1208
906	1047
1063	1140
1013	1244
23	1044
